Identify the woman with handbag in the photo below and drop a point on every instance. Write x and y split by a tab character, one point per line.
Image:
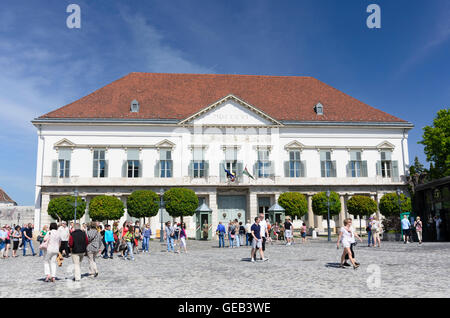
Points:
40	238
50	246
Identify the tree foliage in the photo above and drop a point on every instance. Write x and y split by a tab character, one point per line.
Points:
180	202
436	139
104	207
389	204
64	208
320	200
294	203
143	203
361	205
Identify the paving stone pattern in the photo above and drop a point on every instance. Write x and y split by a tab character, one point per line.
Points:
300	270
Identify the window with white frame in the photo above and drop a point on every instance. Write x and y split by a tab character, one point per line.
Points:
133	164
99	163
386	164
327	166
356	167
165	163
263	164
64	163
198	165
294	164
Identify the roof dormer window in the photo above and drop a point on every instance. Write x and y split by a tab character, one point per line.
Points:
319	109
134	106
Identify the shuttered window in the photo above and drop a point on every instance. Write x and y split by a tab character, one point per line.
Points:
100	165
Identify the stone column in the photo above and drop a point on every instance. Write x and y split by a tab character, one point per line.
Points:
342	212
377	199
310	212
45	219
253	205
215	213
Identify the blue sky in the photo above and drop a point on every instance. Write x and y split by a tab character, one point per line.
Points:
401	68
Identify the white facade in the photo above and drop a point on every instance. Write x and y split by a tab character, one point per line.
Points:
231	124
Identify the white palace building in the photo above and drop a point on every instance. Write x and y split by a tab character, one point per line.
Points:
157	131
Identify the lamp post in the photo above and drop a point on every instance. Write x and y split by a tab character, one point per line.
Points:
328	218
398	200
76	199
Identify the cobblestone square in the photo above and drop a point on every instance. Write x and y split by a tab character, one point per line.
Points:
300	270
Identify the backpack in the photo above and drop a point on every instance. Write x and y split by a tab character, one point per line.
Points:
232	230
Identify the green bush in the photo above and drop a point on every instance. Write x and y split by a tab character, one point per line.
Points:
319	204
361	206
180	202
64	208
389	204
105	207
294	203
143	203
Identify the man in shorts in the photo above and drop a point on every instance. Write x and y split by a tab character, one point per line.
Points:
288	228
257	241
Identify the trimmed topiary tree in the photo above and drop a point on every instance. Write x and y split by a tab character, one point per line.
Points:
64	208
319	204
142	204
180	202
389	208
294	203
389	204
361	206
104	207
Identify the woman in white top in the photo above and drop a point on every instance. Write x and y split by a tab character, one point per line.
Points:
376	230
347	236
53	241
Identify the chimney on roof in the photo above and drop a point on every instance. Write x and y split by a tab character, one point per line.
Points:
134	106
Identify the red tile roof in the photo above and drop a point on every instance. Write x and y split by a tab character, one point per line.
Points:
5	198
177	96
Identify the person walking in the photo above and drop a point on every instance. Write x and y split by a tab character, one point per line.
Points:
28	233
15	239
116	234
264	232
347	237
405	228
370	241
78	241
40	238
231	233
3	236
220	231
50	246
183	238
241	233
64	233
169	235
288	230
257	241
303	232
7	241
237	238
248	233
146	234
418	227
376	231
93	248
109	242
129	238
276	231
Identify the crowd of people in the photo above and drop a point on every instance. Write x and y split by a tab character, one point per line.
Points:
237	233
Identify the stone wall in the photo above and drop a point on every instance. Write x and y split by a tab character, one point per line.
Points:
16	215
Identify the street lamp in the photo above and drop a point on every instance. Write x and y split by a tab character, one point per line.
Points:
328	218
76	199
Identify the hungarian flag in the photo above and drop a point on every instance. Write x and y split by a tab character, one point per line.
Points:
230	175
247	173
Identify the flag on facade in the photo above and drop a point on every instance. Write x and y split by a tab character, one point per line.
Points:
230	175
247	173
